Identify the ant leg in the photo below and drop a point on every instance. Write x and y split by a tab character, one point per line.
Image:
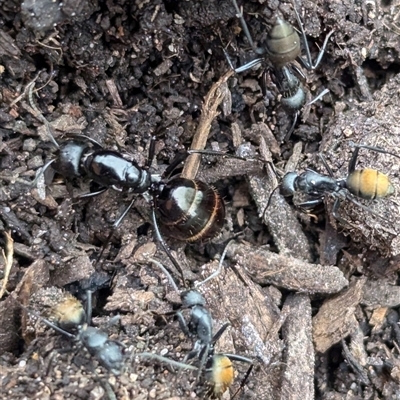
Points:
336	206
41	172
92	194
374	148
257	61
335	209
220	332
165	247
327	167
320	96
179	158
116	224
308	63
220	266
91	140
152	151
177	364
55	327
291	130
239	14
269	202
39	114
182	323
244	67
216	153
205	352
168	275
353	160
249	65
365	208
89	306
244	380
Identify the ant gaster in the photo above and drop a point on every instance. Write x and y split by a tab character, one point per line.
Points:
282	48
368	184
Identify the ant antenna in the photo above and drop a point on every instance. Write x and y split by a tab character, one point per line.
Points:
220	266
165	247
166	360
114	226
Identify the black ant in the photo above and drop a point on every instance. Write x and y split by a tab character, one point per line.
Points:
69	316
219	371
282	48
186	209
367	184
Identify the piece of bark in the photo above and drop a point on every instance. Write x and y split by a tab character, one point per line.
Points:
298	359
287	272
335	319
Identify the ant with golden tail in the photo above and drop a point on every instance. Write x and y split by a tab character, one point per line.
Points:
282	49
219	370
366	183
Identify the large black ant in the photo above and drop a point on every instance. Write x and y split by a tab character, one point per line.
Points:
367	183
69	316
282	48
219	371
187	209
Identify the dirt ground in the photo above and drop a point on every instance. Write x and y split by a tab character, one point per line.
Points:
312	300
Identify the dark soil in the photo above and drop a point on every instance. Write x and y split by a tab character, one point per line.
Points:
313	300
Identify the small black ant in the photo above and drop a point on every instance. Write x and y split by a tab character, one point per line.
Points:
69	316
367	184
219	371
282	48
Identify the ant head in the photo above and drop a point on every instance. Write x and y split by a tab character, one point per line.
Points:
191	298
287	188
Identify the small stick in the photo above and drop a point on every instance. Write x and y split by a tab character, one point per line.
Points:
208	112
8	256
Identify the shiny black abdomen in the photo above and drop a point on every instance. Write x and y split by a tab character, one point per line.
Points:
190	210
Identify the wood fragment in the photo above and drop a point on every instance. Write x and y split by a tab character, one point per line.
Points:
255	319
287	272
208	112
335	319
8	256
298	360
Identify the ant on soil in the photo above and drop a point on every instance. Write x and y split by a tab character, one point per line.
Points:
186	209
367	184
218	368
71	320
282	49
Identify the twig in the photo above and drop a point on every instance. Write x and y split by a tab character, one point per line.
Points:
208	112
8	256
